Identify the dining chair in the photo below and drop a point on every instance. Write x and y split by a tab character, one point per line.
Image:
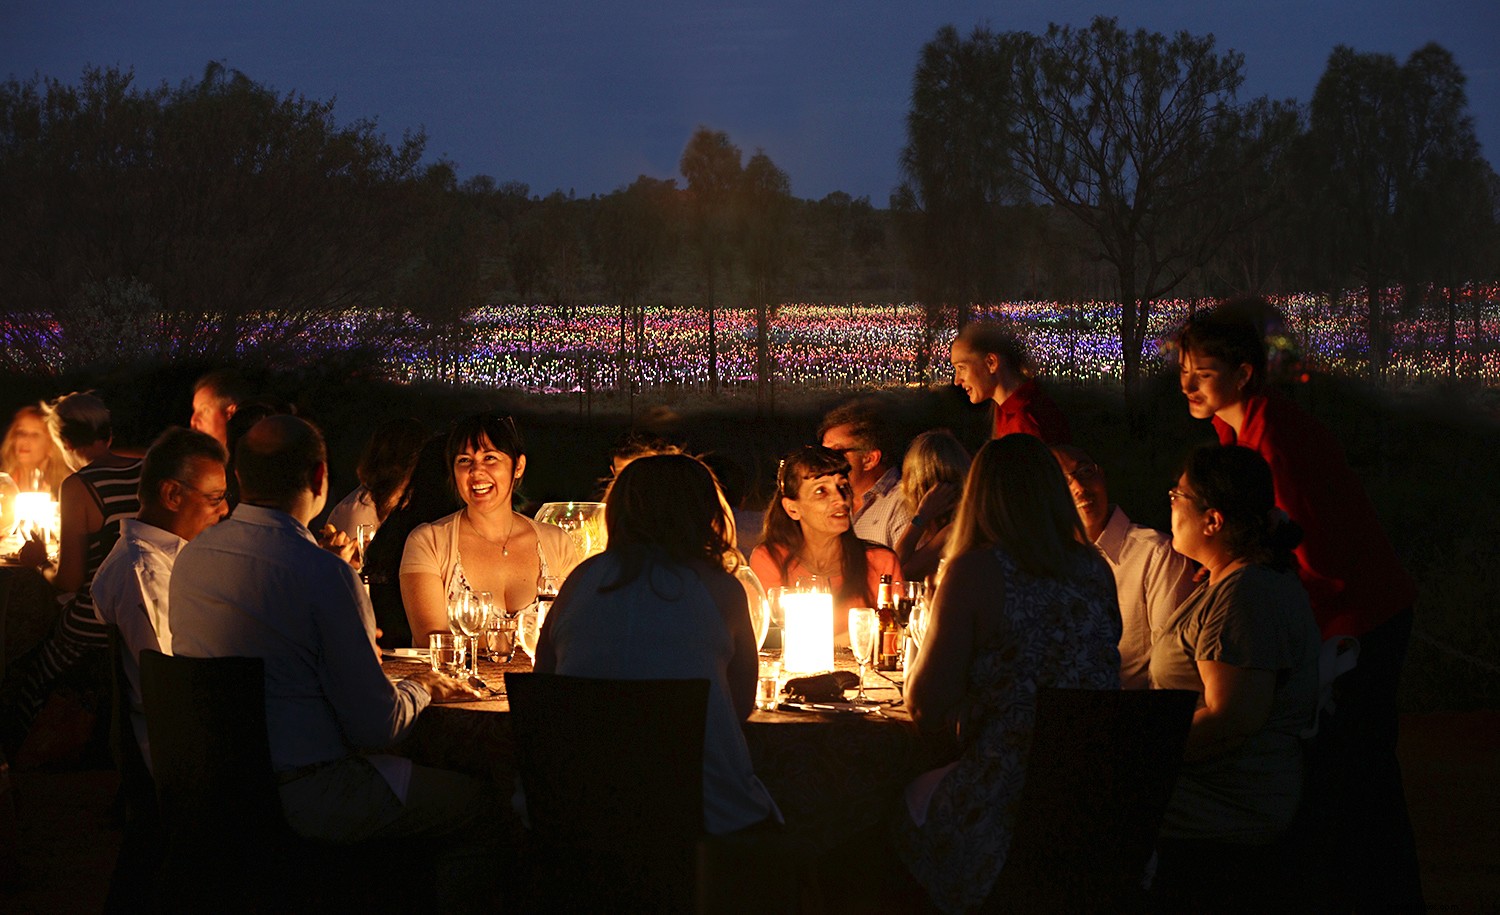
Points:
1101	771
142	840
228	847
612	773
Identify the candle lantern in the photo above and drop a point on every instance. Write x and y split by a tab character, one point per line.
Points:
807	631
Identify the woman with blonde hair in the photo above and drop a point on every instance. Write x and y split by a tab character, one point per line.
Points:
93	501
1024	603
932	479
29	461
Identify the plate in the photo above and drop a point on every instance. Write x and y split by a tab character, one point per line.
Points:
406	654
832	708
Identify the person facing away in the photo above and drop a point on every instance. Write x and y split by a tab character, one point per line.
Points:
1023	603
1357	587
1151	579
990	364
661	602
258	585
859	432
932	479
182	494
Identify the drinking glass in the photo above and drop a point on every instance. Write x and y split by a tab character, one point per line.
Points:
864	629
546	592
760	604
447	652
528	629
467	615
363	534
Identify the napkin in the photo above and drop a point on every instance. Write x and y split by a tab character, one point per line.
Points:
821	687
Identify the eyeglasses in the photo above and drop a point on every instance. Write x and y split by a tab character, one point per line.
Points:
213	499
1083	474
1178	495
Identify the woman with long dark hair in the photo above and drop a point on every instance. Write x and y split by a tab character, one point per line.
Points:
1024	602
809	533
661	603
1247	642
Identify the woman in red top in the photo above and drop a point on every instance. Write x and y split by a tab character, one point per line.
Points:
808	532
1357	587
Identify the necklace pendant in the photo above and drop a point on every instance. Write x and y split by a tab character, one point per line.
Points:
504	551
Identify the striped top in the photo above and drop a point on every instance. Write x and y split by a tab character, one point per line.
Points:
114	491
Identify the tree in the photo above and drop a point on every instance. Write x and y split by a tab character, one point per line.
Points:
1137	136
711	166
1390	148
957	170
636	236
765	207
226	203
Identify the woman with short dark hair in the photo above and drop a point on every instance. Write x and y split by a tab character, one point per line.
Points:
486	545
1245	640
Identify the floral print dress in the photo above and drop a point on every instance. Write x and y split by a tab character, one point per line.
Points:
1061	633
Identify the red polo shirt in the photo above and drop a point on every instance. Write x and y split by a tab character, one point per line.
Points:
1028	409
1348	565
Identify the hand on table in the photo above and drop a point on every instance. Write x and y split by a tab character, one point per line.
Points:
443	688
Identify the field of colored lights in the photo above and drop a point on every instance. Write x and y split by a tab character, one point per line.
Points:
547	349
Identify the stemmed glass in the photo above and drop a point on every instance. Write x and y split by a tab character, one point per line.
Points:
864	629
467	614
529	629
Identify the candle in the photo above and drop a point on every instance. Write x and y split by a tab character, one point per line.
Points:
807	631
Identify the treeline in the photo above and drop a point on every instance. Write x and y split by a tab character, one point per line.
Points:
1080	163
1035	161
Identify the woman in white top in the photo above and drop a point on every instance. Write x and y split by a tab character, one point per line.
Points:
485	546
660	602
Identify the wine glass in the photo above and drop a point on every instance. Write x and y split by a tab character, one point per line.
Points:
466	615
760	604
486	602
363	534
546	592
528	630
864	629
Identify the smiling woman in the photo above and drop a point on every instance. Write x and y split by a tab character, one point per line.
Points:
485	546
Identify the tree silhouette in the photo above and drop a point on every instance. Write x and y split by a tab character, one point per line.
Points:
765	208
711	166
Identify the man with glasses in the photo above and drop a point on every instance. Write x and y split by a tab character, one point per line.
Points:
856	431
1150	577
181	494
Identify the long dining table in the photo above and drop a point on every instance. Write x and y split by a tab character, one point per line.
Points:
837	776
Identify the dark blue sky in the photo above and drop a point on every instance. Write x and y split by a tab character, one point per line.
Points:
586	95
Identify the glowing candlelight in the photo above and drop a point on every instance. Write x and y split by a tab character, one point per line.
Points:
807	631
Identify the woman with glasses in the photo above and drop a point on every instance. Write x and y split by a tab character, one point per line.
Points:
808	532
1246	641
1024	603
486	545
94	499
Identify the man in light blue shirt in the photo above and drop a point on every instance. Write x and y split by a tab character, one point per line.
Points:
258	585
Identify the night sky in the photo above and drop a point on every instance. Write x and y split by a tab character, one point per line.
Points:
585	96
